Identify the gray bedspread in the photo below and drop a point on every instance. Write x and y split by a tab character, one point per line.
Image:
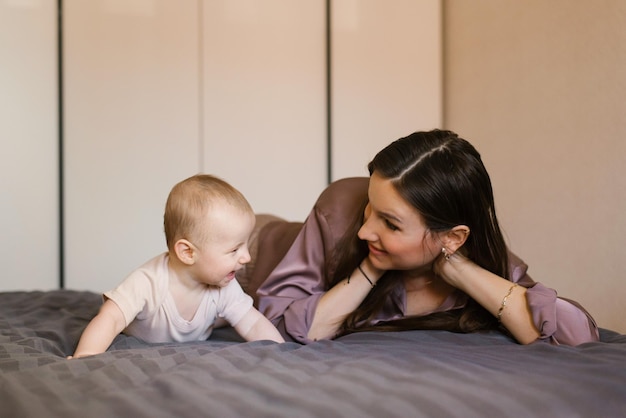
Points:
407	374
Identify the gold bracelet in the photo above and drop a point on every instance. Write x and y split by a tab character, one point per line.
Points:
504	299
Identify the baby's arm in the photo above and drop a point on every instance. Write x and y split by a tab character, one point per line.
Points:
101	331
254	326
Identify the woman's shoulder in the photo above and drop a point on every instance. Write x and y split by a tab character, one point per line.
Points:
344	195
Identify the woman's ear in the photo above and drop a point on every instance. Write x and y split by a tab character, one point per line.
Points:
185	251
455	238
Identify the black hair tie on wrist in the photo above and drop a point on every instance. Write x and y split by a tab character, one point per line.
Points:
365	275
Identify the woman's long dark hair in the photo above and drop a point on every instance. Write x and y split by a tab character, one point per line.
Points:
444	178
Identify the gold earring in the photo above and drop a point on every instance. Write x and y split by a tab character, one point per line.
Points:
445	254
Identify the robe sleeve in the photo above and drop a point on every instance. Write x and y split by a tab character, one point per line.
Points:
558	320
290	294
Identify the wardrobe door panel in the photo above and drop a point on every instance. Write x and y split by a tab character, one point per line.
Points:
265	100
131	130
386	76
29	202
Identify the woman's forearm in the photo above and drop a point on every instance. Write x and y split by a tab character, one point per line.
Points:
502	298
341	300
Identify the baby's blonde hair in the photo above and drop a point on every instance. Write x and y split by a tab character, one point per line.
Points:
190	200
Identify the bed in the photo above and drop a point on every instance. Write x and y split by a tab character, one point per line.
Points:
369	374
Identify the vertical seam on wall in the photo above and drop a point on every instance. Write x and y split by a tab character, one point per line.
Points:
442	48
200	86
61	225
329	139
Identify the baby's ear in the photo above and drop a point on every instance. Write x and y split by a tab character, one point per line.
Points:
455	238
185	251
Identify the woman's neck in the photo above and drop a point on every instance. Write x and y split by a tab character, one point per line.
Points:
425	281
424	293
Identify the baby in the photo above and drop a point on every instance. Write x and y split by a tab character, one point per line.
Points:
180	294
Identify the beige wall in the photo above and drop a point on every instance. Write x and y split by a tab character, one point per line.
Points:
29	243
155	91
540	88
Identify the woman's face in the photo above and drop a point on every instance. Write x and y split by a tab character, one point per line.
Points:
396	234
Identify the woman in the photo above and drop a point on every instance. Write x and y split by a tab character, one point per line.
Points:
418	247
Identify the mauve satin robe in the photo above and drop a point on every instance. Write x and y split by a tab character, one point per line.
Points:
290	294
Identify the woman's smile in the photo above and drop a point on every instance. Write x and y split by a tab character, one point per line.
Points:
375	251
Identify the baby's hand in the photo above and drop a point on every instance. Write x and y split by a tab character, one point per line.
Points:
78	356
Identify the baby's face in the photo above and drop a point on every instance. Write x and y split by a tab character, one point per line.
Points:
225	251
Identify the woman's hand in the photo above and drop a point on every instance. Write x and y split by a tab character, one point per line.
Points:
452	267
339	301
